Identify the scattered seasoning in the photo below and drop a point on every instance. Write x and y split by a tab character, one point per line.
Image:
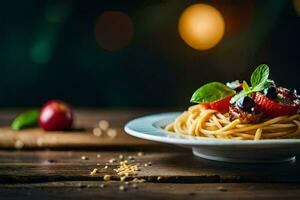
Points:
159	178
149	163
140	154
98	155
103	124
146	165
106	177
112	133
98	164
122	178
105	167
130	158
84	158
93	173
126	169
126	182
137	180
121	157
112	160
134	186
102	185
19	144
122	188
222	189
97	132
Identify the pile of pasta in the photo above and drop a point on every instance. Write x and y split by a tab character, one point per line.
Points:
198	121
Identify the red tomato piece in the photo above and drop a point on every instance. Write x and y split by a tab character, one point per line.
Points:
272	108
221	105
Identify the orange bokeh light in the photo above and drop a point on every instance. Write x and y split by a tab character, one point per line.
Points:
296	4
201	26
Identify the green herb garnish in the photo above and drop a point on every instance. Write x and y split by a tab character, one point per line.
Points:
215	90
211	92
26	119
259	81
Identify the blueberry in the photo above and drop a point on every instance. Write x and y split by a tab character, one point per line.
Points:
271	92
246	104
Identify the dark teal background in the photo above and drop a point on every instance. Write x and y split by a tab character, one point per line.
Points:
41	60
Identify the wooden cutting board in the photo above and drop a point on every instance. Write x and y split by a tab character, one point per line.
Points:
38	139
83	138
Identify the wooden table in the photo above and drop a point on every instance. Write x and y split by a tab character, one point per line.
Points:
58	169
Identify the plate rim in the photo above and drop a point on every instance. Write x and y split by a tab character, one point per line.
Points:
160	135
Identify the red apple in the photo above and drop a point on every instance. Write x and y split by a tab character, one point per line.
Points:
56	115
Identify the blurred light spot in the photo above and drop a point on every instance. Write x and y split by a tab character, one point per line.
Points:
297	6
41	52
201	26
113	30
57	13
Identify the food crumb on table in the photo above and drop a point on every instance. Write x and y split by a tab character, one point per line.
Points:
106	177
93	173
19	144
112	133
122	188
97	132
103	124
84	158
140	153
222	189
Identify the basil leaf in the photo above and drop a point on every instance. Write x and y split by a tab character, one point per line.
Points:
262	86
211	92
26	119
260	76
239	95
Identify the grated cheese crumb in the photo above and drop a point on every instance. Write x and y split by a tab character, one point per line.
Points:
126	169
84	158
97	132
122	187
137	180
140	154
103	124
122	178
112	133
106	177
93	173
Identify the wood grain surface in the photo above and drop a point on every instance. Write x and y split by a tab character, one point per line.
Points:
78	138
55	168
91	190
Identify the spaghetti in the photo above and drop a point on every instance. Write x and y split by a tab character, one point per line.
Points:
203	122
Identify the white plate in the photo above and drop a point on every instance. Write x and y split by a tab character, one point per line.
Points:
243	151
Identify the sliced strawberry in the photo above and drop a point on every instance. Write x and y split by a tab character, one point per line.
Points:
221	105
272	108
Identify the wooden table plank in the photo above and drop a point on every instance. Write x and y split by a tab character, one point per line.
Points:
172	166
92	190
36	138
80	138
